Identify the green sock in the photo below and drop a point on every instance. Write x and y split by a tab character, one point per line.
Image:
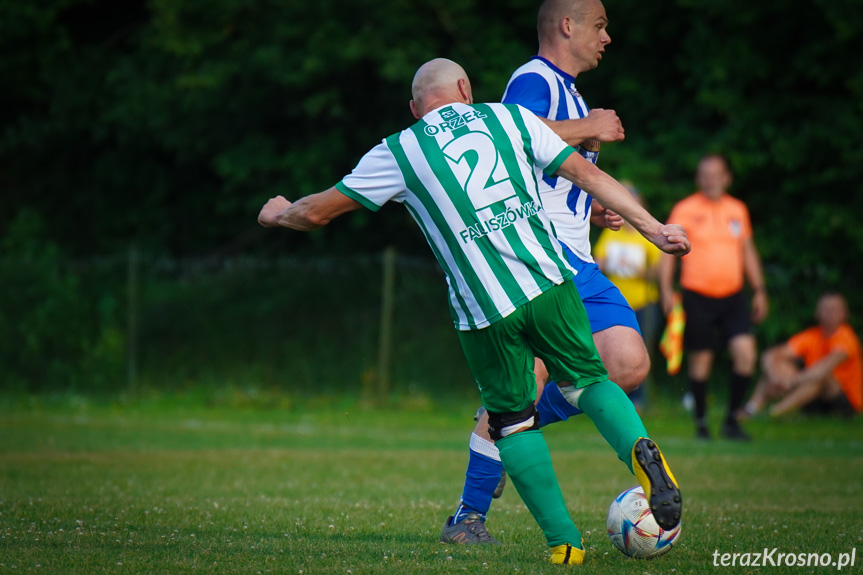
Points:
527	461
614	416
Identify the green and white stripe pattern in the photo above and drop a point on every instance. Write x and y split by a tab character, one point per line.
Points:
466	175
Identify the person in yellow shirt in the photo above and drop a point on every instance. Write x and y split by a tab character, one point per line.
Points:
631	262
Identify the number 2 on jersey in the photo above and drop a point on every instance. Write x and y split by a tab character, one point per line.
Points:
486	181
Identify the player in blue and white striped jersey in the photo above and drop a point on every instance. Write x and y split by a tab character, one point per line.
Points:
572	40
550	93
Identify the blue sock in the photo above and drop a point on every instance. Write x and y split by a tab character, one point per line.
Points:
481	478
553	407
484	467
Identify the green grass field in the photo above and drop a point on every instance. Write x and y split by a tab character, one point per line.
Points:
148	488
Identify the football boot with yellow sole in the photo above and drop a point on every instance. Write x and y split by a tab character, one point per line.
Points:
658	483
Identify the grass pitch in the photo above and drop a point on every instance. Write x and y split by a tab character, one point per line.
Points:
169	489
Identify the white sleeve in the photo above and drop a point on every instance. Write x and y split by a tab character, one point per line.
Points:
549	151
376	180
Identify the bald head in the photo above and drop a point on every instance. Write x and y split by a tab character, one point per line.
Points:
551	12
438	82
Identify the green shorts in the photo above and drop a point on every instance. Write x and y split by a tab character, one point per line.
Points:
553	327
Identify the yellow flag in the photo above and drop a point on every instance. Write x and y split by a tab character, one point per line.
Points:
671	344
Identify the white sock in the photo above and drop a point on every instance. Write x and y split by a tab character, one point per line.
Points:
484	447
571	394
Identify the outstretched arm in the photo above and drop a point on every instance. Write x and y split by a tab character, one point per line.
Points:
669	238
308	213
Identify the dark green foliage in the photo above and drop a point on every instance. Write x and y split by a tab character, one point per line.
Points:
53	332
171	122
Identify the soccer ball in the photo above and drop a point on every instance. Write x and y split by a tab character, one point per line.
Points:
633	530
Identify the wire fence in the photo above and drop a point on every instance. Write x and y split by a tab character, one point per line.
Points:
375	325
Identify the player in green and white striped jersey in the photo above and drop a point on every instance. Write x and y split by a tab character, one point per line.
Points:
465	172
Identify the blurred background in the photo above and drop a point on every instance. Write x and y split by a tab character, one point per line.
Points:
138	141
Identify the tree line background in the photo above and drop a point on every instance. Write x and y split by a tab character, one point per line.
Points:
166	124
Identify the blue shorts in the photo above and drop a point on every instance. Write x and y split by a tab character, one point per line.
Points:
606	307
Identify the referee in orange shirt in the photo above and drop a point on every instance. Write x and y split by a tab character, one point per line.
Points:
711	279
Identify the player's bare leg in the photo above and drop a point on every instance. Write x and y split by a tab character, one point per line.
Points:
624	355
541	374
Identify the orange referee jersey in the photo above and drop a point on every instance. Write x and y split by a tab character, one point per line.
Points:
812	346
717	230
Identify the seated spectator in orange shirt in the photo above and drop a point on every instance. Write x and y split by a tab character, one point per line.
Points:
832	372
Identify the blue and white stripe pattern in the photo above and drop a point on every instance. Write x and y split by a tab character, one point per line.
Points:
549	92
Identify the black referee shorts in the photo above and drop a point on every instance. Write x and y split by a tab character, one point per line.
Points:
708	316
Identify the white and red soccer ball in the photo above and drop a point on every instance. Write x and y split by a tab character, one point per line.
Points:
634	531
